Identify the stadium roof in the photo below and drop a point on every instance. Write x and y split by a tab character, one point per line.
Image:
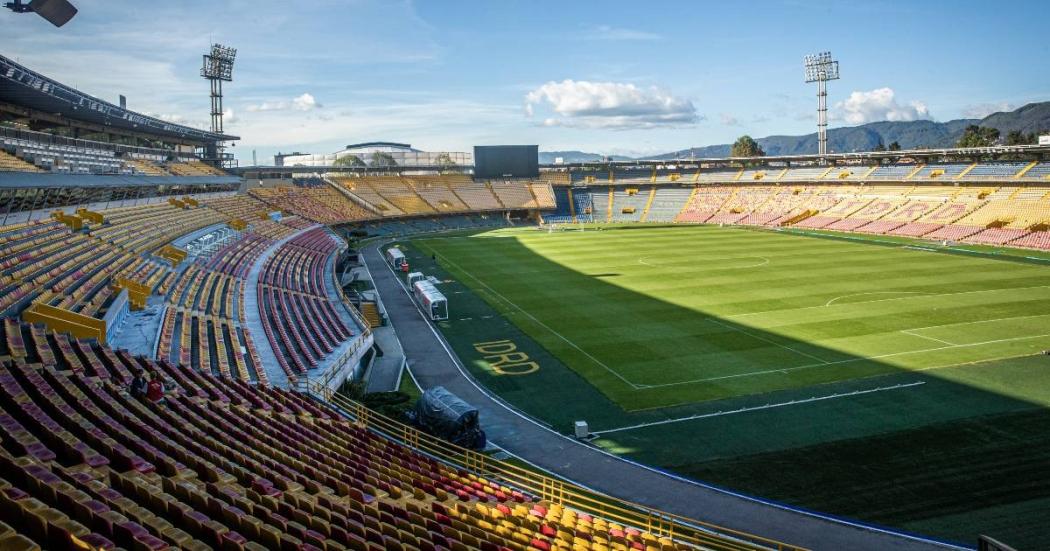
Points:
24	87
364	145
29	180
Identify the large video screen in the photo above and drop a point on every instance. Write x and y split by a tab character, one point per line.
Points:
506	161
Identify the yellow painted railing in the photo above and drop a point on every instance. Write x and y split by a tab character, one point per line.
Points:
138	293
172	254
91	216
74	223
65	321
551	489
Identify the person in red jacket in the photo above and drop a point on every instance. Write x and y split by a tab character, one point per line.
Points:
156	388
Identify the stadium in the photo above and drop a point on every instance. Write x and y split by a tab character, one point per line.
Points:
391	348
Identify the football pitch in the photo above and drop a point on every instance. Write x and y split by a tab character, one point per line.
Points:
766	361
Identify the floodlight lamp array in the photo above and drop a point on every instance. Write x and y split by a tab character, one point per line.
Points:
820	67
223	53
218	64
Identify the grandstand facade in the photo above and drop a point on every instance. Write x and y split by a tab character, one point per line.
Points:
988	202
48	126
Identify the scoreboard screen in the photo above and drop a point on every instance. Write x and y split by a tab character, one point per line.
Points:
506	161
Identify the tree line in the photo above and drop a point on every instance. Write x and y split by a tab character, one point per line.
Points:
972	136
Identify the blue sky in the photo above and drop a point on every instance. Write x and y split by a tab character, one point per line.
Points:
611	77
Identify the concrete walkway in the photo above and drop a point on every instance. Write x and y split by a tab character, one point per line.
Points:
195	235
140	330
433	363
385	374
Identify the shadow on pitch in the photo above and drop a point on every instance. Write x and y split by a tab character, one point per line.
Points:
868	439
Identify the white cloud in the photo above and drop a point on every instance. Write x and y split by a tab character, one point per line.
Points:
878	105
728	120
304	102
609	105
179	119
606	32
982	110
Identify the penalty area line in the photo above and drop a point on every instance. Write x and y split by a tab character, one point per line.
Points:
921	336
787	370
764	339
762	407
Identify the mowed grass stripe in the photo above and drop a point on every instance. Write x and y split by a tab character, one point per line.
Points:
966	273
689	315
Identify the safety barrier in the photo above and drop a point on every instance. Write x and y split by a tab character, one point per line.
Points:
138	293
550	489
172	254
65	321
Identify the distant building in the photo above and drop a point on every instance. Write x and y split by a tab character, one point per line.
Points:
378	154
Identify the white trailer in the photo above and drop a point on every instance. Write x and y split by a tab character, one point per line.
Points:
434	304
413	277
395	257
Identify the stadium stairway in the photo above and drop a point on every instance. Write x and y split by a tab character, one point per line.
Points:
371	314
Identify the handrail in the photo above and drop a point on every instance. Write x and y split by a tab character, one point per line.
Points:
550	489
54	139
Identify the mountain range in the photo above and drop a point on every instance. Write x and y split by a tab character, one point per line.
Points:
1034	117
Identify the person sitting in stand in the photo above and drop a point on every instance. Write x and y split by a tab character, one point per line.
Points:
157	388
139	385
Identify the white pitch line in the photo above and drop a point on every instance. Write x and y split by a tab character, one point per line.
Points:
762	407
981	321
538	322
832	301
935	339
850	360
761	338
786	310
762	262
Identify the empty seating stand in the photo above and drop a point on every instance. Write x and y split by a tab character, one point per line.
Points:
222	465
203	327
299	319
322	204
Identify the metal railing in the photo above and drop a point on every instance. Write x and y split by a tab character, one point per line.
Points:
54	139
547	488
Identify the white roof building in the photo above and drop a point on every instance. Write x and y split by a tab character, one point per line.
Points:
369	154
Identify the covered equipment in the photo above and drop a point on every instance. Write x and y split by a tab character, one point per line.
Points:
445	415
395	257
433	301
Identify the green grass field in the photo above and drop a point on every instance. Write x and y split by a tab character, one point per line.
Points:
880	381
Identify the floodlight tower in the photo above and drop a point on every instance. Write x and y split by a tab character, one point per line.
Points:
820	68
218	67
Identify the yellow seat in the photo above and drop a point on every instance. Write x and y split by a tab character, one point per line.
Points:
17	542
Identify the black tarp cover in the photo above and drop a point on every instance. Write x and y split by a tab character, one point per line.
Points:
445	415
